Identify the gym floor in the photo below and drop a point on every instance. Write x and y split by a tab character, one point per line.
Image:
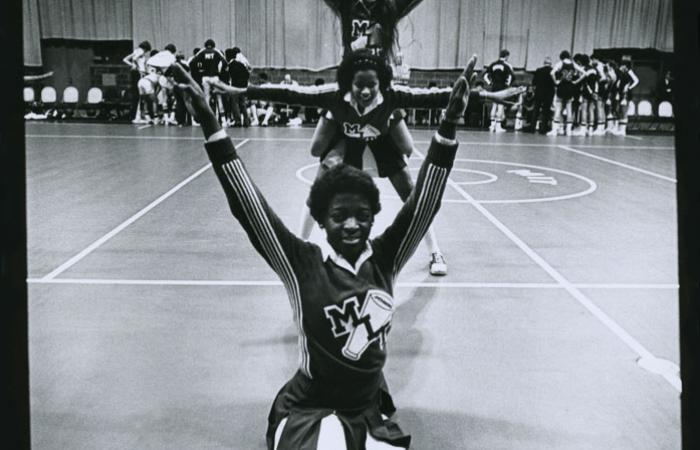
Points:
153	324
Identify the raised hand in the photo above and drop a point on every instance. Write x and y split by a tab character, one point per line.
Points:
193	97
459	98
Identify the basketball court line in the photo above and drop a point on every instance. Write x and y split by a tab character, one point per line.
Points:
419	284
306	139
617	163
671	375
646	359
89	249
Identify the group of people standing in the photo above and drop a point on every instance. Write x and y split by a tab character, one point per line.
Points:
154	101
579	95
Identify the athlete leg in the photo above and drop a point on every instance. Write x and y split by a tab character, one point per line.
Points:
592	103
600	117
494	117
569	117
401	180
622	124
323	136
402	138
557	122
500	115
268	114
519	117
583	120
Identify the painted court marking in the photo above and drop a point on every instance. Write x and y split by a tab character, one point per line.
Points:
671	376
426	284
669	371
592	186
617	163
489	177
89	249
306	139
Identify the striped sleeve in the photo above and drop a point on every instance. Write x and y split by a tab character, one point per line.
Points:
280	248
322	96
412	97
398	242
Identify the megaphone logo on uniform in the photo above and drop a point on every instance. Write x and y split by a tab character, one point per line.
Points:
357	131
362	325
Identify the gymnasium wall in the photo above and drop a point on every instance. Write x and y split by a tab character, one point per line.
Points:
438	34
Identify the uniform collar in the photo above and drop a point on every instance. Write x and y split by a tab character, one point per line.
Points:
338	259
378	100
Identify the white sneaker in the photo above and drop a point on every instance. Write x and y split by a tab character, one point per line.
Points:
438	265
499	129
553	132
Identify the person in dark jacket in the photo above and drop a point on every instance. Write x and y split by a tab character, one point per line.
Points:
544	95
341	292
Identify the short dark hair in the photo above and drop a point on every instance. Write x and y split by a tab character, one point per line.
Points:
145	46
171	48
363	59
154	52
209	43
341	178
564	54
504	53
229	54
196	50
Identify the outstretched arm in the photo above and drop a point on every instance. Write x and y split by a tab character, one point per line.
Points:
270	237
321	96
395	246
407	97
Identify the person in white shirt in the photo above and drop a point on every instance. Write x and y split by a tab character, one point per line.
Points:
137	62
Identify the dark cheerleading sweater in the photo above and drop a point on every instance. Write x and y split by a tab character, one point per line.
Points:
360	19
342	312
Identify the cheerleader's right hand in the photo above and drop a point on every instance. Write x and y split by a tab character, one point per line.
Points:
459	98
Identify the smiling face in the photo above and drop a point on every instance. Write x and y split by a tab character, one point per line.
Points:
348	223
365	87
